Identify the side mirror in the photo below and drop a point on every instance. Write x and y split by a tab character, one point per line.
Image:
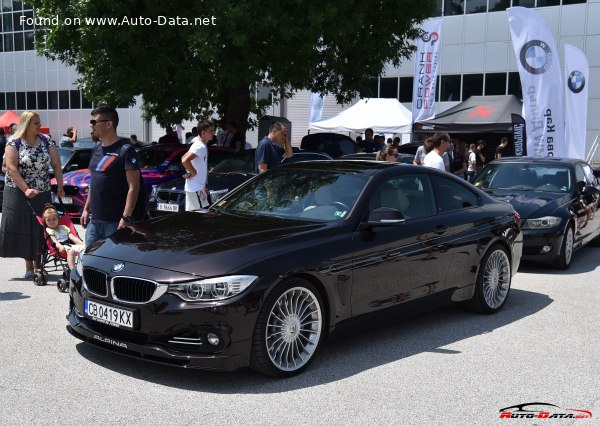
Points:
383	217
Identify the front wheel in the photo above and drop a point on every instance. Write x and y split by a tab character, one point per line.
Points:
289	329
493	281
566	250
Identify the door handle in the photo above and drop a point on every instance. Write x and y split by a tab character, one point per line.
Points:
440	229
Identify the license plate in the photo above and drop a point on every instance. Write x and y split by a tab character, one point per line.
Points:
65	200
110	315
168	207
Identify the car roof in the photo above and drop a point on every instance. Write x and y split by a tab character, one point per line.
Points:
537	160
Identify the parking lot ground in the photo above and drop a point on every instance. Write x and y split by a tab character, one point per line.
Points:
446	367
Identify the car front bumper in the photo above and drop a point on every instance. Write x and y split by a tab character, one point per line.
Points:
542	245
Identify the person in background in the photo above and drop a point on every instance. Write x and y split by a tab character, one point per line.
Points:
380	142
114	179
389	154
169	137
29	155
195	162
2	145
471	162
12	128
237	142
396	142
369	144
459	165
501	150
441	144
192	136
134	141
423	150
272	148
480	156
69	138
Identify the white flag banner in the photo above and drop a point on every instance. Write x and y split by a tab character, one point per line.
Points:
577	72
541	82
315	108
427	62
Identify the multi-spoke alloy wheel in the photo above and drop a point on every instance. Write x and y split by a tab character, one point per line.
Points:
496	279
293	329
566	251
288	330
493	281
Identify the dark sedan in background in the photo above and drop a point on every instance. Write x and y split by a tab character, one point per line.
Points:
223	177
557	199
262	277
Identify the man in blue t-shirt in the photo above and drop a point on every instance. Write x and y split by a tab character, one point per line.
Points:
115	181
272	148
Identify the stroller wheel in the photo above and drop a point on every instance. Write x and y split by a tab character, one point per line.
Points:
62	286
40	278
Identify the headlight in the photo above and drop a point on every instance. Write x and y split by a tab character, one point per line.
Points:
79	264
152	196
542	222
213	288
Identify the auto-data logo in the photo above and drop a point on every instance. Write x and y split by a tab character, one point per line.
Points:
536	57
576	81
542	410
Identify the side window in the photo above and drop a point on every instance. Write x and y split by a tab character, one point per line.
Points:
452	196
175	164
580	175
411	194
84	159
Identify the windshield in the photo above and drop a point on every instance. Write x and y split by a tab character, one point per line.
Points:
298	194
240	162
525	177
65	155
152	159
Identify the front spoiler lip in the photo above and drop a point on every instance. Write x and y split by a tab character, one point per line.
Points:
154	353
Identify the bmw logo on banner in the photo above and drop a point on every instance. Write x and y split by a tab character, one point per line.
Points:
576	82
536	57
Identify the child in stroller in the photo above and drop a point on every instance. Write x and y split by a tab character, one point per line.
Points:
62	242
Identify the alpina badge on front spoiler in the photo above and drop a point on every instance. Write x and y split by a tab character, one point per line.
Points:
118	267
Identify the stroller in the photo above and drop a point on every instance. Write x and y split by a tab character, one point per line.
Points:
49	258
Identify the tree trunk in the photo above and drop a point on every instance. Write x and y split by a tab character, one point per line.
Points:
238	107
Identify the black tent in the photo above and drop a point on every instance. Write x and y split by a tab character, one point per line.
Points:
478	114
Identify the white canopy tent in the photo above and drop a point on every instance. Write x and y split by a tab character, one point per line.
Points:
380	114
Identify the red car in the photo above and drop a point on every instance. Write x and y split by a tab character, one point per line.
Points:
158	164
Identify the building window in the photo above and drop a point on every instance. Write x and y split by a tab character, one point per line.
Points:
472	85
53	100
11	101
450	88
495	84
388	87
85	104
453	7
7	5
475	6
544	3
372	90
42	100
21	101
439	4
499	5
8	42
75	96
514	85
2	102
567	2
31	101
63	99
406	89
524	3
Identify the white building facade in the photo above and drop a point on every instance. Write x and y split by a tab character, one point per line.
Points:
476	59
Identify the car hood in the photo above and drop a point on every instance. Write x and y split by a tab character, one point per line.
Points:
207	244
530	203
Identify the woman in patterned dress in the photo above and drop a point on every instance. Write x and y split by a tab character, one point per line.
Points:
28	157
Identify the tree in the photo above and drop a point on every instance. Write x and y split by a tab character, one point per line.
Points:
189	59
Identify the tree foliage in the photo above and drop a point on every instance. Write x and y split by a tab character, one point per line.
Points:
190	71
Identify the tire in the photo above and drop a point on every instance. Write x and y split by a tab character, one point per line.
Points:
289	329
62	286
566	250
40	279
493	281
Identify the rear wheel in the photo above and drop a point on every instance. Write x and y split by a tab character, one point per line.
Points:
493	281
566	250
289	329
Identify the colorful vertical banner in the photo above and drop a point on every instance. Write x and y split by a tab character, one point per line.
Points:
427	63
577	72
541	82
315	107
519	135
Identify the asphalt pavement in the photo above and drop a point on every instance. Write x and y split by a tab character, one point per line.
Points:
446	367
